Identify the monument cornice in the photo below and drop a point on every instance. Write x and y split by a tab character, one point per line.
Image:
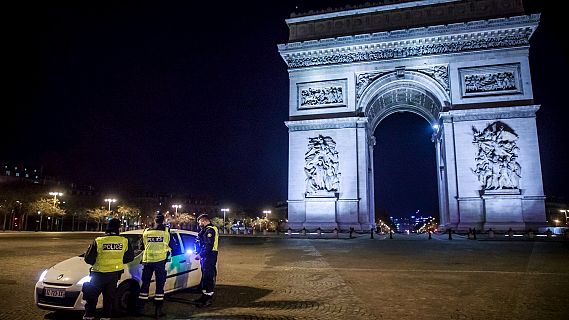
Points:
322	124
489	113
407	43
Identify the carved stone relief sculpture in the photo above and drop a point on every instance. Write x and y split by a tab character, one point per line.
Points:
321	96
496	159
321	166
489	82
363	80
439	73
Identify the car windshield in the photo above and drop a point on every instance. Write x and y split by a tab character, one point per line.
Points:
135	240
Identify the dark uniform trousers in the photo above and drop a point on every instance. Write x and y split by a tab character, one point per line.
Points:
209	271
159	269
101	282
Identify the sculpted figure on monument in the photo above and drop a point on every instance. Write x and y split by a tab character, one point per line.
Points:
496	159
321	96
498	81
321	165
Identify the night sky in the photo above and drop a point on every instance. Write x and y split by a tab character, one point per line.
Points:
190	98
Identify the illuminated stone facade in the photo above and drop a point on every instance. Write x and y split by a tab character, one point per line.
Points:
469	79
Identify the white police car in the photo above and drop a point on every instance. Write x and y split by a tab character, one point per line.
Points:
59	287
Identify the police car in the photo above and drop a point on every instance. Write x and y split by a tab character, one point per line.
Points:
59	287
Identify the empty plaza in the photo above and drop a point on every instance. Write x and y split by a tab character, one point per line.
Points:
407	277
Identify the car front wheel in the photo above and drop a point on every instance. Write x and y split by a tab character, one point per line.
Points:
126	297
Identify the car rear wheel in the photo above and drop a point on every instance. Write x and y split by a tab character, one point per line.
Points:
126	297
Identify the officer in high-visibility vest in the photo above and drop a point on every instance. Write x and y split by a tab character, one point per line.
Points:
157	246
107	254
208	241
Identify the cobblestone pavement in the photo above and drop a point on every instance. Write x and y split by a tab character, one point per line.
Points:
408	277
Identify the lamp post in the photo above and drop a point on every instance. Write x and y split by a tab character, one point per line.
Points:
110	200
224	210
266	212
54	194
176	207
41	217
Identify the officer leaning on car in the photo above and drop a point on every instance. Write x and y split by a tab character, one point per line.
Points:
107	255
208	240
157	243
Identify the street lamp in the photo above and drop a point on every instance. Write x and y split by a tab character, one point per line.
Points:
39	213
224	210
266	212
109	201
176	206
54	194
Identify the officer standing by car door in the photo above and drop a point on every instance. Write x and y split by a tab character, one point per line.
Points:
208	240
157	246
107	255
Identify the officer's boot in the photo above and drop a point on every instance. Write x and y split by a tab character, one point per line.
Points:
139	307
199	301
158	312
208	300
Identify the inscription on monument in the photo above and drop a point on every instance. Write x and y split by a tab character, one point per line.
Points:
497	166
321	166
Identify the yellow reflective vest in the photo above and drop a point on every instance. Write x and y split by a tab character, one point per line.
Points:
110	253
216	237
156	246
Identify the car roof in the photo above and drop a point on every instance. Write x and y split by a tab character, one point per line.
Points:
140	231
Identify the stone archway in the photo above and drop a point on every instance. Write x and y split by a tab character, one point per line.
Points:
406	91
471	80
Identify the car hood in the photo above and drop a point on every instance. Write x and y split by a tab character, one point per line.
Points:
72	270
68	271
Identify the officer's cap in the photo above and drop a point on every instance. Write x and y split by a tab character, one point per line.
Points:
114	225
203	216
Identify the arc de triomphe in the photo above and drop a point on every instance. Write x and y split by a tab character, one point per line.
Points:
460	64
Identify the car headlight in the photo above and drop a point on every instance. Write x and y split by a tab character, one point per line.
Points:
84	279
42	275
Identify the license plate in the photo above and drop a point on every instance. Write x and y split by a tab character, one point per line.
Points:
57	293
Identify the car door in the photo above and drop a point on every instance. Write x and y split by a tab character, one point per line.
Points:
177	266
193	265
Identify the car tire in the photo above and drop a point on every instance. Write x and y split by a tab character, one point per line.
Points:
126	297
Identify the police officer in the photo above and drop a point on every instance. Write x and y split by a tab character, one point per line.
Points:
107	255
208	240
157	246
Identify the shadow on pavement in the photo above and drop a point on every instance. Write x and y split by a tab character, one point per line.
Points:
180	304
237	297
60	315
